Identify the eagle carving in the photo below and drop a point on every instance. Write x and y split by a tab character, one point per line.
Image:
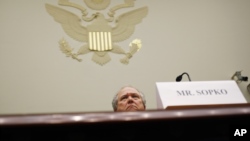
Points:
99	33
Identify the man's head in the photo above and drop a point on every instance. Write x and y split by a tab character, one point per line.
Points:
129	98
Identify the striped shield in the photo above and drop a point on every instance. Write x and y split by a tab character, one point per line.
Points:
100	41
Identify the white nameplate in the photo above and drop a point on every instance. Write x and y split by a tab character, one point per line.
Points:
198	93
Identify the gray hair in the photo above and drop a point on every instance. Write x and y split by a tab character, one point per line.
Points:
115	98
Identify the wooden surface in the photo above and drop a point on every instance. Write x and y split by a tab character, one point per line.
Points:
182	123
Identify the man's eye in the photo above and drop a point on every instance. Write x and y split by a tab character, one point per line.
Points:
135	96
123	98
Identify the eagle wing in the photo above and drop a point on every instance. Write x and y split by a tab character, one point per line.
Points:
70	22
126	24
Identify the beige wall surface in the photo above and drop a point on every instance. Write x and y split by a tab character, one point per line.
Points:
209	39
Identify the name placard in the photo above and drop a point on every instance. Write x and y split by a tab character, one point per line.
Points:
198	93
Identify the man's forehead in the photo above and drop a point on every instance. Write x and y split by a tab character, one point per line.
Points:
128	90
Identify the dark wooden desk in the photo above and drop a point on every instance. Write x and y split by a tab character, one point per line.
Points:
183	123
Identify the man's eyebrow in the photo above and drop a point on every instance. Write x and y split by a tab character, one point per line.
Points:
124	95
135	93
